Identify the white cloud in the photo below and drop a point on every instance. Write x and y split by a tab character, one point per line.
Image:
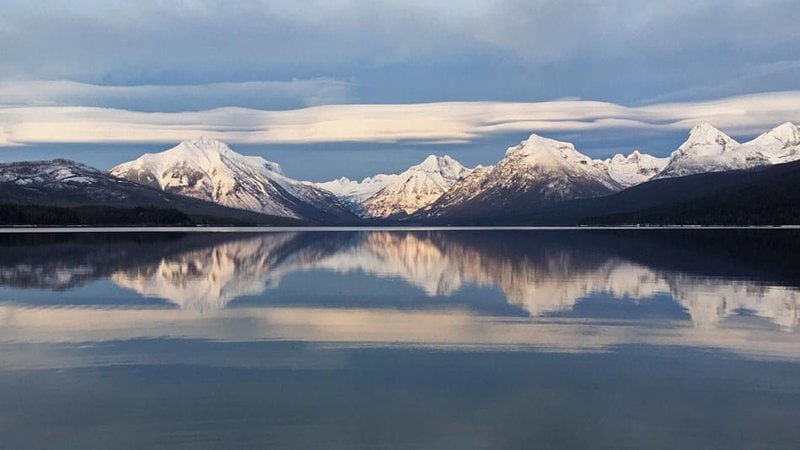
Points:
429	122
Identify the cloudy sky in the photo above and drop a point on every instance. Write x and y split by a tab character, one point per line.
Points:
346	87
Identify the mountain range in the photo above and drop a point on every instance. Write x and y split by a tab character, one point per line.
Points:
539	181
60	192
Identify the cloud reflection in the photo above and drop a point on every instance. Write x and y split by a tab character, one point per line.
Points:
545	277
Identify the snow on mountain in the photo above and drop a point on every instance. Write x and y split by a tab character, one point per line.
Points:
357	191
779	145
209	170
708	149
561	164
415	188
384	195
537	171
635	168
56	173
461	193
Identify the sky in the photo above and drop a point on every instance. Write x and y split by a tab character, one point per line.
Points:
331	88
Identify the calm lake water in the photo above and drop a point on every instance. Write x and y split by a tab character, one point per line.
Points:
615	339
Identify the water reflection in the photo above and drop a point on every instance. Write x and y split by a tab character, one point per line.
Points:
230	286
578	339
542	274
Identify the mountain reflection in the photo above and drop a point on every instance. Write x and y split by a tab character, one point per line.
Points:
540	273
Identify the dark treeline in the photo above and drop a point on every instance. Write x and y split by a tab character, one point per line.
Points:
768	201
43	215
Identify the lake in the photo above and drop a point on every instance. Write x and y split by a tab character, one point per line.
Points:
440	339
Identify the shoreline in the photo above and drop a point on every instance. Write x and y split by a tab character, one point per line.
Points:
235	229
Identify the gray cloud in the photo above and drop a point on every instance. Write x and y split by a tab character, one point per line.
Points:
211	40
398	51
541	31
172	98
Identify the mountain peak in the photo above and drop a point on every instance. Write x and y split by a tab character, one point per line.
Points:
440	164
209	170
206	141
431	162
620	158
204	145
536	142
779	145
635	168
786	132
703	126
705	133
708	149
545	152
52	172
417	187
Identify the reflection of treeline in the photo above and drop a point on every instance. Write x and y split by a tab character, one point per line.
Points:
43	215
57	260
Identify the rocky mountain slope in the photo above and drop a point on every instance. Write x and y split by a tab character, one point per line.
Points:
397	195
526	186
209	170
708	149
537	171
65	183
635	168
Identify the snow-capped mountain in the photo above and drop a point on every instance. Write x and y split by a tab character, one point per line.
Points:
635	168
708	149
357	191
533	175
535	172
417	187
56	173
779	145
461	193
209	170
70	184
400	194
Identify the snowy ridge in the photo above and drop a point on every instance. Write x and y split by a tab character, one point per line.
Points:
544	155
400	194
209	170
55	173
635	168
537	171
461	192
779	145
357	191
417	187
709	150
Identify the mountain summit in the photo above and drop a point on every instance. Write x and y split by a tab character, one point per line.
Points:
635	168
209	170
417	187
708	149
396	195
779	145
535	172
